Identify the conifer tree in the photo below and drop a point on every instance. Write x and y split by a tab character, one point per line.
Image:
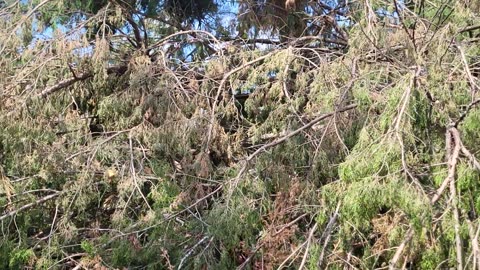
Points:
241	134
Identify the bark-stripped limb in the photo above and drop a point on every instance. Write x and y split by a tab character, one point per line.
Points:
452	157
471	81
474	242
454	136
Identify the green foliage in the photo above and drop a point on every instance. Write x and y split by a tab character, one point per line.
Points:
235	223
164	195
374	160
363	200
88	248
159	135
471	127
123	254
188	10
430	259
20	258
6	247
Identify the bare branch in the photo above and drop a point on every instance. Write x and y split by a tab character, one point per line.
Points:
453	132
65	83
471	157
30	205
452	156
309	241
471	80
452	163
190	251
474	242
119	70
327	233
399	251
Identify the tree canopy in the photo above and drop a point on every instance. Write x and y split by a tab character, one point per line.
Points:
243	134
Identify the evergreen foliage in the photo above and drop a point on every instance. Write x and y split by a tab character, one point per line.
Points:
241	134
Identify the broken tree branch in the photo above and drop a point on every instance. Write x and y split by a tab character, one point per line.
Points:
453	132
288	136
474	242
30	205
118	70
327	233
471	157
452	156
452	163
65	83
262	149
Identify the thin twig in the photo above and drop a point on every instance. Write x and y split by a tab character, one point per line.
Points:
245	263
291	255
289	224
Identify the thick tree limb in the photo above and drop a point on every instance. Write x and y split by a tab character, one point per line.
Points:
65	83
118	70
452	163
453	132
